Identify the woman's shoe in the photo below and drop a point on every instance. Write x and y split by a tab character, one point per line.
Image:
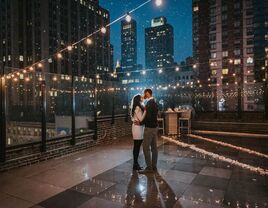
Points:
137	167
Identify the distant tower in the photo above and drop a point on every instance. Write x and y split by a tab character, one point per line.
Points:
159	44
128	45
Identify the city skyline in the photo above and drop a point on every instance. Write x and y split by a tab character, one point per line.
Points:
178	14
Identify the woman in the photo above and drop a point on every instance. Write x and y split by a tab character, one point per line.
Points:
137	114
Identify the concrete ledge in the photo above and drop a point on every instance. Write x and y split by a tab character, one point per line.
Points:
240	127
236	134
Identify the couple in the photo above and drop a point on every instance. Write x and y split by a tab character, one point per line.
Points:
144	130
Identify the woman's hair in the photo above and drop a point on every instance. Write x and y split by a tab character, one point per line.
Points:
136	101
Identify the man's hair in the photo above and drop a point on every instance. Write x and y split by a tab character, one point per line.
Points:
149	91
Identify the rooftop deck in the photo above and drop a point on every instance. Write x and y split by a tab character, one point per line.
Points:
103	177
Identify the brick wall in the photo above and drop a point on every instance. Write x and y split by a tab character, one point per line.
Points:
29	154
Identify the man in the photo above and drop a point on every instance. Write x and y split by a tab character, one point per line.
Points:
150	133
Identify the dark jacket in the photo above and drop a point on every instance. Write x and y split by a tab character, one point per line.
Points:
150	120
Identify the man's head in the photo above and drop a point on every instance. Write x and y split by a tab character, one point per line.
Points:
148	93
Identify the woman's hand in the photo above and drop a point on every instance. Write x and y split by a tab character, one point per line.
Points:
137	123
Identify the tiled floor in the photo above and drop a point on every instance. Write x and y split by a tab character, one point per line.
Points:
103	177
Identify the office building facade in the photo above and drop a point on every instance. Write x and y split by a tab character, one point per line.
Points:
159	44
128	45
36	29
225	50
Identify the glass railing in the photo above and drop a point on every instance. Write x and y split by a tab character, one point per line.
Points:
66	106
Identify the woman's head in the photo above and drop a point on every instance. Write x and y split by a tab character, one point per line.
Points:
136	101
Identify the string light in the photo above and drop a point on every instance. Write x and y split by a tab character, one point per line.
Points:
128	74
158	3
143	72
59	55
103	30
89	41
128	17
69	48
97	76
160	71
177	69
31	68
40	65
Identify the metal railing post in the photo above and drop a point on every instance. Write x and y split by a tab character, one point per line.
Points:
2	120
73	112
113	103
127	107
43	122
95	110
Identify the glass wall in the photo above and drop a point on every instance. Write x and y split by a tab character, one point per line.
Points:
23	115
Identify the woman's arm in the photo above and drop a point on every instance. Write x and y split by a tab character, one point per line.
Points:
139	114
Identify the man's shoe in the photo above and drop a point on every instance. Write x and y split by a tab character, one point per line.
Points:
146	171
137	167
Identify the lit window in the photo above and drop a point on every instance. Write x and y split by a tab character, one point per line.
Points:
225	53
214	72
213	55
196	9
225	71
249	60
21	58
237	61
213	64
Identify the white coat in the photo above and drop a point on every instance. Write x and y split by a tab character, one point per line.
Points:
138	130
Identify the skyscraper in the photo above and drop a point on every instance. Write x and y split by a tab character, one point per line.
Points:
225	48
35	29
128	45
159	44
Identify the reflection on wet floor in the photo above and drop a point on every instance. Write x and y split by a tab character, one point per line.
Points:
184	179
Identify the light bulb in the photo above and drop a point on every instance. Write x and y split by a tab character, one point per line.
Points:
128	17
89	41
158	3
59	56
103	30
69	48
40	65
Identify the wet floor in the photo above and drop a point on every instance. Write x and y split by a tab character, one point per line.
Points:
104	178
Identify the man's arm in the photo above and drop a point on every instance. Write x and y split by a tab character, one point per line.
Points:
148	114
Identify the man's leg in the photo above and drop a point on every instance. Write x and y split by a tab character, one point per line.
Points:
146	147
154	148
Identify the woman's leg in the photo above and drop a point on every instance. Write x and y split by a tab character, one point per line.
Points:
136	150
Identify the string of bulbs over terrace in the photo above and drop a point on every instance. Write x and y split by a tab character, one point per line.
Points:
87	40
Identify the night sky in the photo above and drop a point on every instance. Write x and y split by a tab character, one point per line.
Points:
178	13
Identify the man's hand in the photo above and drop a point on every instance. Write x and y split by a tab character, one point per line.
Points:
137	123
